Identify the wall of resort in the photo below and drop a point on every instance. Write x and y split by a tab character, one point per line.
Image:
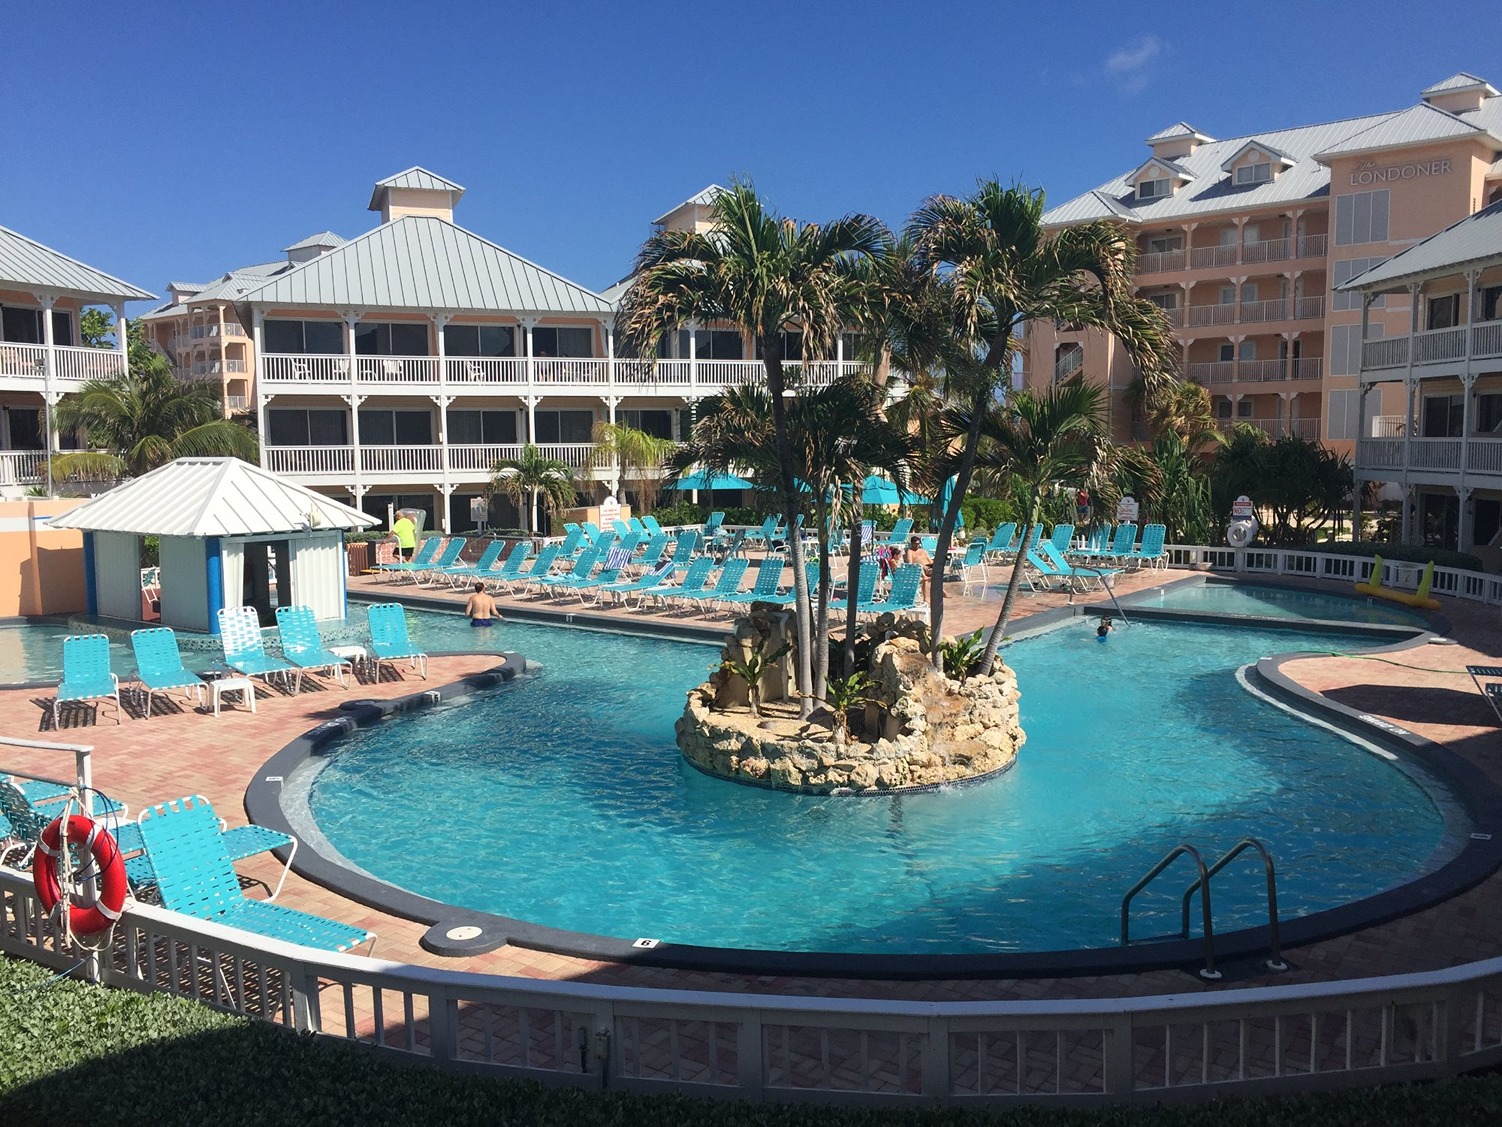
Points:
41	570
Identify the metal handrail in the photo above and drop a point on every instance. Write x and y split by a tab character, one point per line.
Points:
1275	953
1101	575
1208	971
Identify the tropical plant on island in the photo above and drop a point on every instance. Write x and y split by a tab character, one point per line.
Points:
843	694
530	478
752	666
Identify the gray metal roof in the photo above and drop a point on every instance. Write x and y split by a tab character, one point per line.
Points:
703	198
187	287
1474	239
322	239
1461	81
425	263
1178	129
234	285
210	497
1262	147
1416	125
163	312
1163	162
415	177
27	264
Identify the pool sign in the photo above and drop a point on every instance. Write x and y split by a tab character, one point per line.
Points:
1127	510
1241	508
610	511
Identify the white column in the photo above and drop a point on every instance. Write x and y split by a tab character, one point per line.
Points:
693	356
122	344
355	399
49	370
529	323
1415	290
257	339
443	399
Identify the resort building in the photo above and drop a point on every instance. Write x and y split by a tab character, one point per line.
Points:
1438	434
43	294
1245	242
394	369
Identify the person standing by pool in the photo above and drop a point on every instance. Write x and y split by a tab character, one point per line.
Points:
918	554
406	536
481	607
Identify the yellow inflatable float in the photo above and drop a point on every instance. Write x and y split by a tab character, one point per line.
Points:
1419	598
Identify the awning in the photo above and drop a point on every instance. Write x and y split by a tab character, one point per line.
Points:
878	490
704	480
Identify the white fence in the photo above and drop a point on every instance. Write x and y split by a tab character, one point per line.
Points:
1194	1046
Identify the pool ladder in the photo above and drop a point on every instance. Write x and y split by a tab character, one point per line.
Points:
1201	884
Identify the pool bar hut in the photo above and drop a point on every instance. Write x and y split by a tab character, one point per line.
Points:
231	534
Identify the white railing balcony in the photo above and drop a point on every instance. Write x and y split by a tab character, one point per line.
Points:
1379	454
1389	426
1067	363
1439	345
1211	371
479	458
234	365
662	373
237	402
1258	311
1267	250
575	370
1309	308
1382	353
1160	261
575	454
1261	371
401	459
1434	453
1303	428
198	332
309	460
79	364
1484	455
1208	258
1308	367
1486	340
1212	314
22	467
305	369
228	329
397	369
28	361
486	370
1313	246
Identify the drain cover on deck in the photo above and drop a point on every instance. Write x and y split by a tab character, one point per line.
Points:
457	939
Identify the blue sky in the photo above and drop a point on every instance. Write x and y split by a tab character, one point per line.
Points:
179	141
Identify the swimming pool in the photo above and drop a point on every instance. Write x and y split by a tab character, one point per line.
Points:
1275	602
562	800
33	651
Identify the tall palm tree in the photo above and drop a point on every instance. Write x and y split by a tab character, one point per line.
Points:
533	477
638	457
998	268
1042	438
767	276
144	419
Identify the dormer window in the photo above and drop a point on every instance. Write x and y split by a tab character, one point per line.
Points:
1259	173
1154	189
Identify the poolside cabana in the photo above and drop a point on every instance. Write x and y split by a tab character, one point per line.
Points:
226	528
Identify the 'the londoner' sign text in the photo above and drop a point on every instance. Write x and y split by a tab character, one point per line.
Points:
1369	173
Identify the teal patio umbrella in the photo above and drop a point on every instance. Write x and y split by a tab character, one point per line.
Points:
877	490
701	479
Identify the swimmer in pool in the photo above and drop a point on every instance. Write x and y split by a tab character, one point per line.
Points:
1103	631
481	608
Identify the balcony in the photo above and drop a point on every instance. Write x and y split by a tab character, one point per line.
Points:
1433	346
24	366
1278	428
466	463
1221	256
23	467
461	375
1067	363
1212	371
1430	457
1256	312
1210	258
1202	315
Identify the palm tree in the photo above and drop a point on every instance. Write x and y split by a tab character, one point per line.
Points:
767	276
1179	407
1041	437
144	419
636	456
530	477
997	268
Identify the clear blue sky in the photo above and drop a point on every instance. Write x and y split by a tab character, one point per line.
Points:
162	141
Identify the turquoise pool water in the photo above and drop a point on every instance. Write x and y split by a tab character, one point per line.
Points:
34	652
562	800
1276	602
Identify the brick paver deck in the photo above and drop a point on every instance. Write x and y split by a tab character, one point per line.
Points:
183	751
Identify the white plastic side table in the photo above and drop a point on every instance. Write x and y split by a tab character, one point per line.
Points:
242	685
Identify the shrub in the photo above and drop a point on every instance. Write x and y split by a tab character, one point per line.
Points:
1407	553
987	512
684	512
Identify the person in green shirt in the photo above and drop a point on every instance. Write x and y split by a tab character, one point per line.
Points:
406	536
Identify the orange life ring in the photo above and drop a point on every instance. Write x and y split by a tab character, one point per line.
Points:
91	835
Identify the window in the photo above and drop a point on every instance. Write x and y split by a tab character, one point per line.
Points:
297	427
1345	347
376	505
1169	299
25	428
1222	408
1491	299
308	338
565	426
659	424
396	428
1342	419
712	344
1345	269
488	428
1162	244
1443	312
1227	353
400	338
479	340
563	342
1442	416
24	326
1244	408
1488	413
1154	189
792	346
1258	173
1361	217
1249	350
1228	295
1486	522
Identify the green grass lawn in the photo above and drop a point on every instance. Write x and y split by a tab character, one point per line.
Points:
70	1052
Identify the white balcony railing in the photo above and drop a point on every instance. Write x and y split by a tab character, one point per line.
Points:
1379	454
416	462
1067	362
1486	340
1313	246
305	369
1388	426
309	459
1160	262
397	369
1253	312
1434	453
1207	258
22	467
1308	367
1484	455
70	364
487	370
237	402
401	459
25	360
1438	345
1267	250
1384	451
1309	308
1213	314
1211	371
1261	371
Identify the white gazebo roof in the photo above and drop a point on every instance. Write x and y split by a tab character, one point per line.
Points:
210	497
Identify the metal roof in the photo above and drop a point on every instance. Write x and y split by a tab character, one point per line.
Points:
1416	125
210	497
1461	81
234	285
1474	239
415	177
1163	162
187	287
1261	147
27	264
423	262
703	198
1178	129
322	239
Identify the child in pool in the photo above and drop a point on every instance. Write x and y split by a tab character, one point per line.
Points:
1104	629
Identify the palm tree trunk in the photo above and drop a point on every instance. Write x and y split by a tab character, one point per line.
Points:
947	524
821	622
771	350
852	583
988	658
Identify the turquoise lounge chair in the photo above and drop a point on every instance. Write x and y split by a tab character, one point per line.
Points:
1001	541
504	575
1080	577
420	558
899	533
684	549
159	665
712	525
1063	536
389	641
654	577
302	645
1098	543
811	575
764	590
696	578
245	648
765	533
728	584
649	522
1150	551
459	574
432	575
583	566
541	566
903	596
573	540
86	674
652	553
971	568
865	585
621	528
194	876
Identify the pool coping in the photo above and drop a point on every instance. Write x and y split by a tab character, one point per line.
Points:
1479	856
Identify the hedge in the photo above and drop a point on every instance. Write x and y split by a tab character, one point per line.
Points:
70	1052
1406	553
